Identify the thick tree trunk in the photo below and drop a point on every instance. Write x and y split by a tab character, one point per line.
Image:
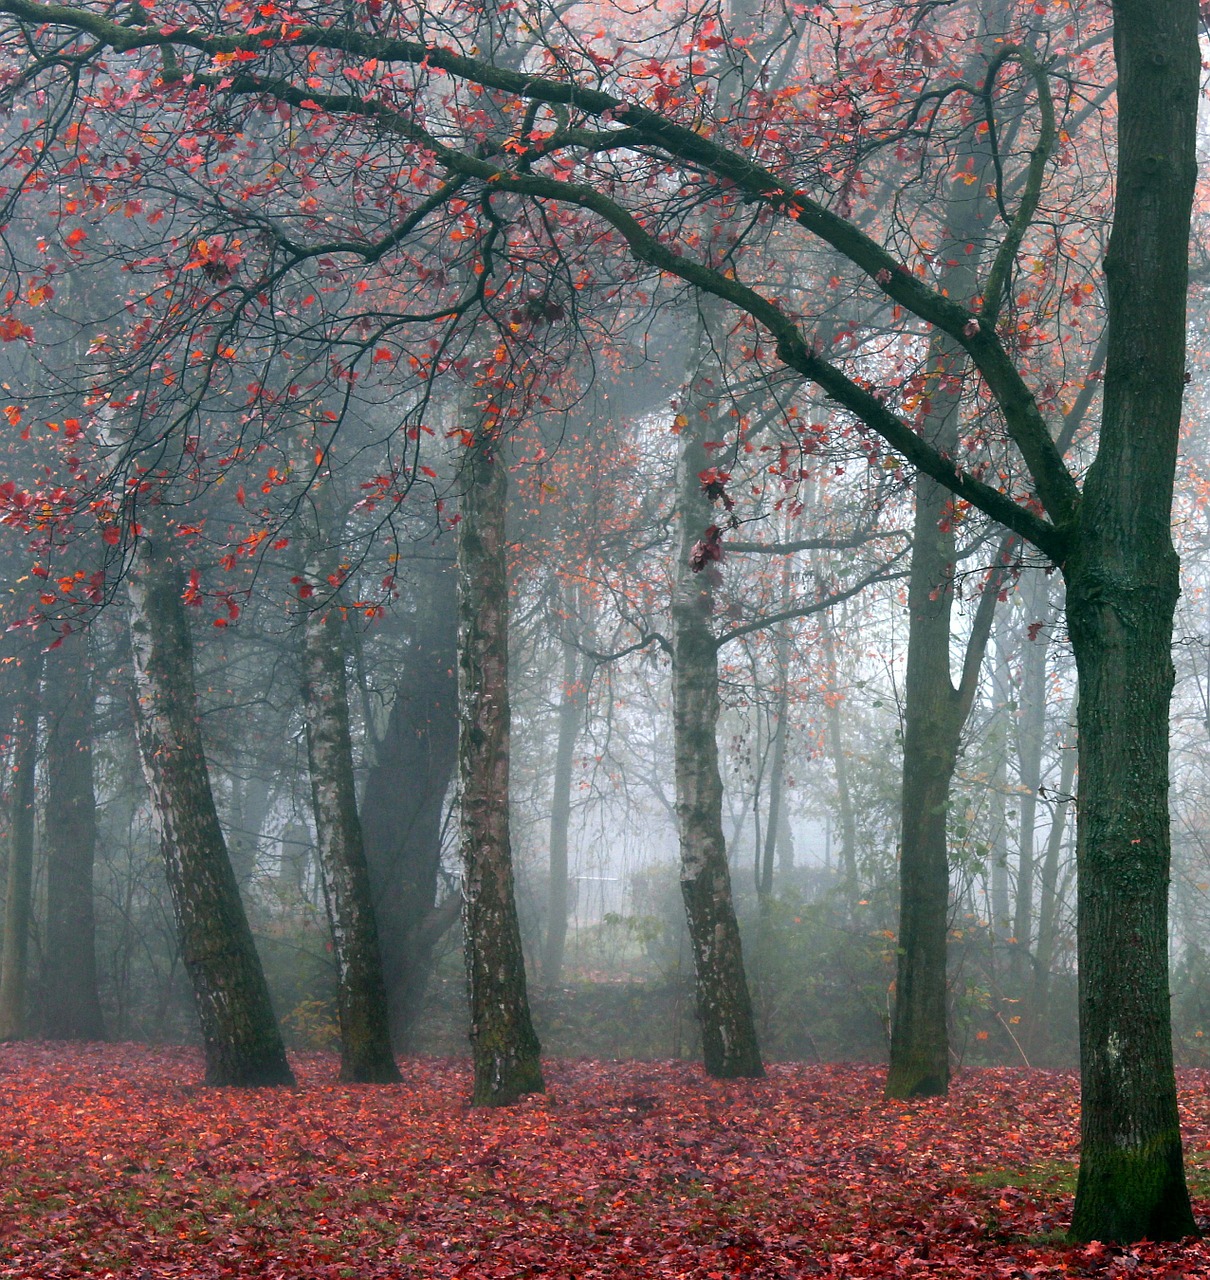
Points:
404	802
18	904
724	1005
240	1037
365	1038
72	1008
571	706
1122	587
504	1045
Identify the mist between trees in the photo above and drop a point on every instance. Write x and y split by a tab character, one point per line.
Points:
690	491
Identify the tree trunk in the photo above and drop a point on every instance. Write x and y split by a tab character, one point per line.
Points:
1049	902
240	1037
504	1045
365	1038
934	710
724	1005
999	918
840	766
781	712
775	823
919	1037
1122	586
404	802
72	1008
571	706
18	906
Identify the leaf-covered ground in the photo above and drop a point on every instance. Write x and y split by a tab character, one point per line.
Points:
114	1161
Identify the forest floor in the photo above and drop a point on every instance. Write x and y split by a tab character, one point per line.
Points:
116	1162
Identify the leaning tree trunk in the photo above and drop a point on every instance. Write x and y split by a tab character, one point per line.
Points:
1122	585
18	905
504	1045
240	1037
72	1008
724	1005
365	1038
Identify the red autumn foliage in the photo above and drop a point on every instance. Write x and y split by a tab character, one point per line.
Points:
115	1161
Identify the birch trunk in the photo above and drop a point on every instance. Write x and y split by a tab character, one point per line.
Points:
724	1005
365	1039
240	1037
504	1045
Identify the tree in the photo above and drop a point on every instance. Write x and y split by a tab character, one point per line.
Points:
240	1036
403	803
1109	537
18	893
70	999
504	1044
365	1039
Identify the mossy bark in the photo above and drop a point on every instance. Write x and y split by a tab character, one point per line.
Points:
504	1045
240	1036
1122	588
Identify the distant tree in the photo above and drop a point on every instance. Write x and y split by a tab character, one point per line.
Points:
70	1001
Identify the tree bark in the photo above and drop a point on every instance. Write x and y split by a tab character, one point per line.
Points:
504	1045
240	1037
724	1005
365	1038
932	725
72	1007
18	898
1122	586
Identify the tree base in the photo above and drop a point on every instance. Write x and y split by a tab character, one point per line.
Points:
1125	1196
915	1081
740	1066
503	1084
259	1075
379	1071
